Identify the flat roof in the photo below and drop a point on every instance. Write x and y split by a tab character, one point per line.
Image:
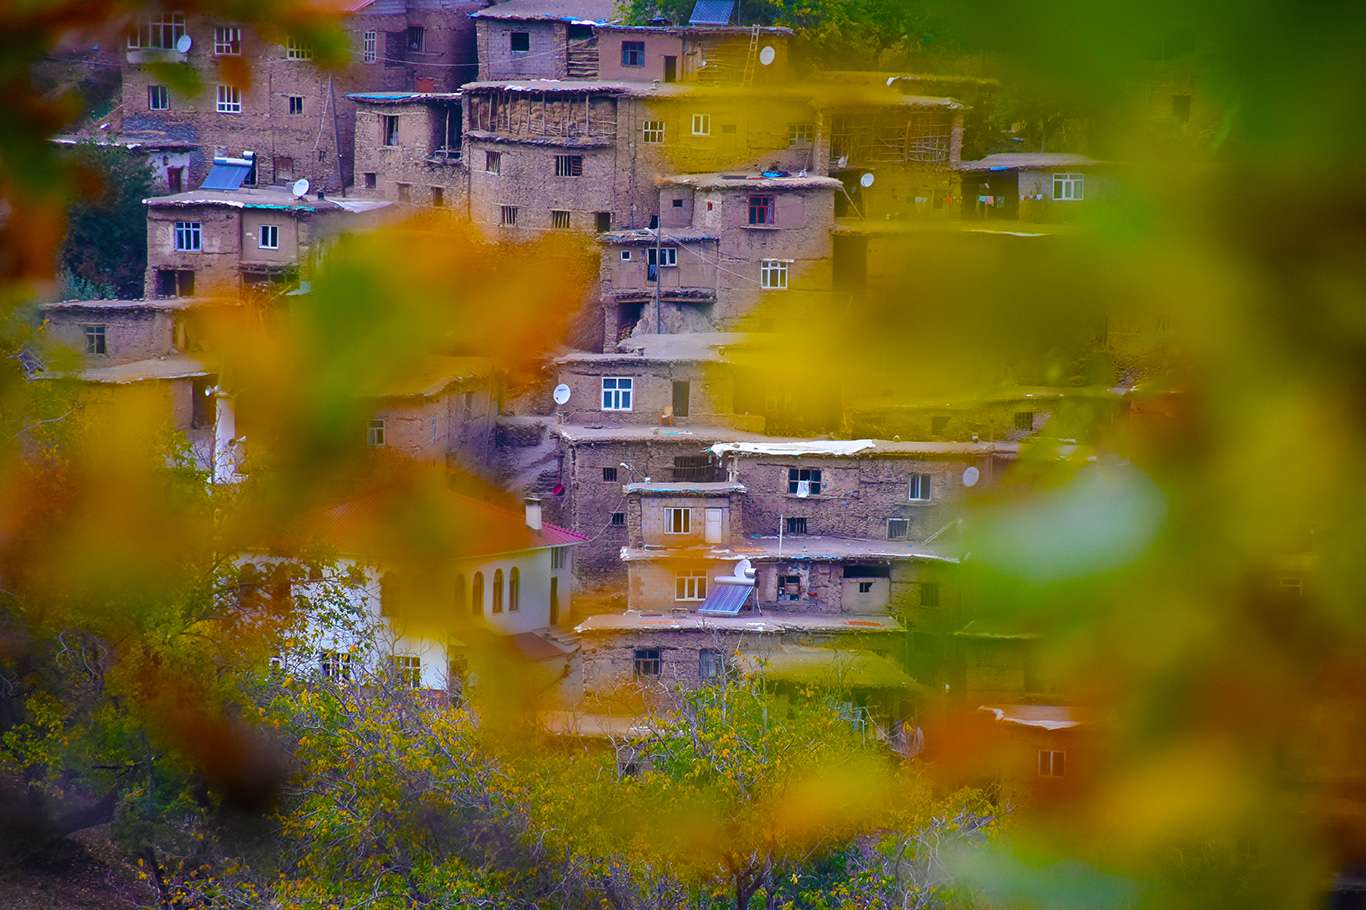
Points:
150	370
402	97
161	304
1025	160
432	376
274	198
1041	717
702	436
648	236
753	180
130	141
799	448
767	623
802	547
701	347
686	487
587	12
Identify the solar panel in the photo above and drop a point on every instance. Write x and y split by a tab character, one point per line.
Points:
712	12
225	177
725	599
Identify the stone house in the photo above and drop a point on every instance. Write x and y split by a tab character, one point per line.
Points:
221	240
269	101
443	412
410	148
1041	187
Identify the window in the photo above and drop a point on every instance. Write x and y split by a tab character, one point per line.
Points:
269	237
602	222
678	521
335	665
370	47
520	42
296	50
618	519
498	591
568	165
701	124
796	525
1052	763
514	589
477	595
188	236
1024	420
1069	187
801	133
633	53
438	196
652	131
408	669
625	255
175	282
96	339
158	98
227	41
711	664
616	393
229	99
646	662
773	274
559	219
609	475
374	433
493	162
789	588
371	180
389	124
559	557
296	104
160	32
417	38
898	528
405	192
690	586
507	215
676	203
920	488
811	476
865	587
762	210
929	594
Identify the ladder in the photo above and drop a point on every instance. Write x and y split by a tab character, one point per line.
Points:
751	56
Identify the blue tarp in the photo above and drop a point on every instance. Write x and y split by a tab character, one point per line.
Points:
225	177
712	12
725	600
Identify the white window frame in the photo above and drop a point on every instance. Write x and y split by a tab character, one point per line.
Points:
188	236
801	133
652	132
920	488
296	50
677	520
690	587
292	99
618	393
1069	187
812	476
1052	763
904	523
625	255
775	274
375	433
229	99
227	41
701	124
96	338
158	93
268	237
369	44
151	34
409	669
559	558
335	665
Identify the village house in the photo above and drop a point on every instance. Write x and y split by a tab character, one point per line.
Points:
444	411
266	99
227	235
1038	187
410	148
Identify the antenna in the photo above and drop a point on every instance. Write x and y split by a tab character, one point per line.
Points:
866	180
767	55
183	43
300	187
561	394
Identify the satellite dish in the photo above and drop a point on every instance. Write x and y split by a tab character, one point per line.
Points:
767	55
866	180
182	44
561	394
301	187
970	476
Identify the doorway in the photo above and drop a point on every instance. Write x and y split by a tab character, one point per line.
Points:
670	69
681	396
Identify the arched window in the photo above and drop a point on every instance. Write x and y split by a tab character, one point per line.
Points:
477	598
498	591
460	594
514	582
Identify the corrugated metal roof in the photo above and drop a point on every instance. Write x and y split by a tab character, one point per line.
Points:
712	12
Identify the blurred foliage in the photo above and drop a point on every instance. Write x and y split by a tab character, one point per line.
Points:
106	235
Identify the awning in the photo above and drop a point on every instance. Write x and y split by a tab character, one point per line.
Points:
725	599
828	667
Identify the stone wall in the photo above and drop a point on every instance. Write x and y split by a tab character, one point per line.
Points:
431	180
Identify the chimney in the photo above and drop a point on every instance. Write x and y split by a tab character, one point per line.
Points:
533	512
